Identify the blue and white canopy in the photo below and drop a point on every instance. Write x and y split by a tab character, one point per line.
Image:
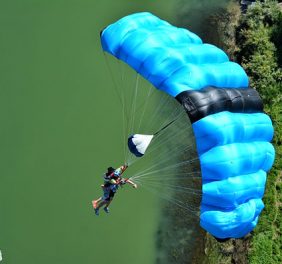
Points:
232	133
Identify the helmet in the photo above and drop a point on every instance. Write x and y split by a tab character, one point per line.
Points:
110	170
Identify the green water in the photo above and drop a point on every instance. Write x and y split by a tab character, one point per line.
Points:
59	130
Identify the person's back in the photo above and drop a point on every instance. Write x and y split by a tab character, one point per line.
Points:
108	175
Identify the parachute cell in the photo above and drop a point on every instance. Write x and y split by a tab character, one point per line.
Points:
232	132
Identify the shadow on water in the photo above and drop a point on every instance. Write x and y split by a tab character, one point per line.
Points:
179	238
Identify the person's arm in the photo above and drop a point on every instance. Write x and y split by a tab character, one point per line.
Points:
120	170
132	183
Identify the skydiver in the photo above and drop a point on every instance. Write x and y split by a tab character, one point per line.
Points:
112	181
107	179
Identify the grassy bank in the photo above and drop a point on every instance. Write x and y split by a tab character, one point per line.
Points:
259	49
254	40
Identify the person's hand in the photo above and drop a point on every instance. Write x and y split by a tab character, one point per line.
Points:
135	185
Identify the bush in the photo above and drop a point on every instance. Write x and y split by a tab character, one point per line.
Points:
259	42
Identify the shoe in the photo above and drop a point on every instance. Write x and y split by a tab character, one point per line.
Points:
106	209
96	211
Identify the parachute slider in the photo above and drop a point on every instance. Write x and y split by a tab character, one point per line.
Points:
138	144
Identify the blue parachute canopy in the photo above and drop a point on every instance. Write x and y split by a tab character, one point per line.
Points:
232	132
172	59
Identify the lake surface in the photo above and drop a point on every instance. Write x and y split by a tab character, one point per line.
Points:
60	129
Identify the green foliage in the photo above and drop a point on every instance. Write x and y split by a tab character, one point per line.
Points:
258	49
226	23
277	38
257	52
255	42
214	21
259	42
261	245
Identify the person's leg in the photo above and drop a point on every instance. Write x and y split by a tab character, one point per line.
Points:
96	202
101	203
108	203
103	200
106	208
111	197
